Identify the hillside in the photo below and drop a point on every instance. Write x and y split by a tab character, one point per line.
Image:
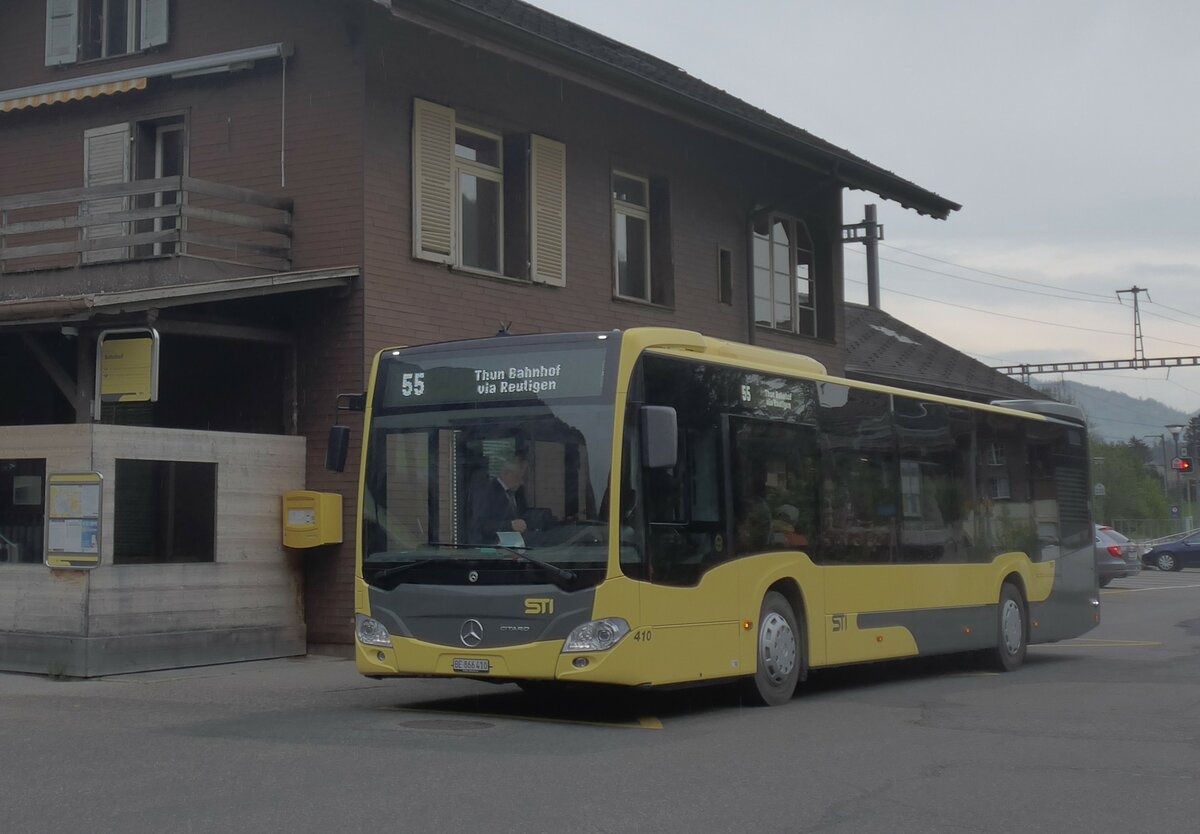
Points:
1115	416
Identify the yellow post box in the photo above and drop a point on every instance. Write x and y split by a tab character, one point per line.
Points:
311	519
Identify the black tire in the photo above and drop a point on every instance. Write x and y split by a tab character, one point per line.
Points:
1104	582
780	653
1166	561
1012	635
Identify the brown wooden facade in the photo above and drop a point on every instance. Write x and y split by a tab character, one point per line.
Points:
305	157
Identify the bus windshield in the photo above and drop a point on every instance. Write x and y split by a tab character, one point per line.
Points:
490	466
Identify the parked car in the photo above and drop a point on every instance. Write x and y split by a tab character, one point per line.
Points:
1175	555
1116	555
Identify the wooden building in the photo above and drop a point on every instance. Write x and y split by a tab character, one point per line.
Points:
280	188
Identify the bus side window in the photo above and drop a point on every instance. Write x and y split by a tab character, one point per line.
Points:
861	490
775	482
933	470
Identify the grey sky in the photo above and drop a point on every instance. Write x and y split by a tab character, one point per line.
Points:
1068	131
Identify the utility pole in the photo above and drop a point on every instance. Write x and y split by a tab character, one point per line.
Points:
1139	350
869	232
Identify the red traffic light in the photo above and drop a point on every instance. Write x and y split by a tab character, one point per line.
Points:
1182	465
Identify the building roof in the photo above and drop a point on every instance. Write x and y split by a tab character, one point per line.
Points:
539	31
880	348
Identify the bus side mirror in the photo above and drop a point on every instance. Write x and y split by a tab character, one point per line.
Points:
335	454
660	436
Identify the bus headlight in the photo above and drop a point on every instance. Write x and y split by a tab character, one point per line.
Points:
371	632
596	636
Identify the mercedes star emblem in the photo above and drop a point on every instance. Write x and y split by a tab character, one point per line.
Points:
473	576
471	633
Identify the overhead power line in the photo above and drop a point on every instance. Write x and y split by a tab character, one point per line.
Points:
1092	298
997	275
1016	318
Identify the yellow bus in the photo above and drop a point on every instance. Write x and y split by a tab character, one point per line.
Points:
654	507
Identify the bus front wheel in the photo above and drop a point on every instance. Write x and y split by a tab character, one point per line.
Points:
1013	635
780	654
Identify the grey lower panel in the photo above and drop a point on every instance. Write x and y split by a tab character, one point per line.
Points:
507	615
91	657
942	630
1069	612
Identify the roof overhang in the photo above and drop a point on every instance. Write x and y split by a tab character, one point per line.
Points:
135	78
78	308
769	133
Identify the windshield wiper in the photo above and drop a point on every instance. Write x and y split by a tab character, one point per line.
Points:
562	573
380	573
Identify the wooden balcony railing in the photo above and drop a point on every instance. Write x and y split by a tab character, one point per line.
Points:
166	217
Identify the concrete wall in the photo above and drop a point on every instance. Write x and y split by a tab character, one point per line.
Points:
246	604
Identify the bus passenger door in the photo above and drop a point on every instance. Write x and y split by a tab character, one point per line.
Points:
689	594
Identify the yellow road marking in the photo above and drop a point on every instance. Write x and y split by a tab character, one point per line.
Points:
1110	591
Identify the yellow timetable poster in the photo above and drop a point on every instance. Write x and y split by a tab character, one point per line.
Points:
73	511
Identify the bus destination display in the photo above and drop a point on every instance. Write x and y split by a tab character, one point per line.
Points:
545	374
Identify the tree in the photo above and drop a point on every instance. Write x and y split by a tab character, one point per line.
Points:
1139	448
1132	489
1191	436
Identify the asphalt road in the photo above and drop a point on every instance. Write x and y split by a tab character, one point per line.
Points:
1097	734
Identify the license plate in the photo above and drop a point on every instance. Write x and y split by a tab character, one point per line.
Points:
471	664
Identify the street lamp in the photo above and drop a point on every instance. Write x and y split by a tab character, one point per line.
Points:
1175	431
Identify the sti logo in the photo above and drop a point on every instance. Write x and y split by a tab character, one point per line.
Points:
537	606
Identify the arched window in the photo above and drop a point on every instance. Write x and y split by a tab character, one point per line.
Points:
784	275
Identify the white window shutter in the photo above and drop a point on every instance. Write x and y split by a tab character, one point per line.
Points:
548	211
62	31
433	181
106	161
154	23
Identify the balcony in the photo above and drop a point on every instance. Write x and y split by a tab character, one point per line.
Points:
139	234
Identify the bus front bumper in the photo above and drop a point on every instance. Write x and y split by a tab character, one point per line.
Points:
543	661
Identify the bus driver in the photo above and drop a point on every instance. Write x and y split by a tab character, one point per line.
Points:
499	504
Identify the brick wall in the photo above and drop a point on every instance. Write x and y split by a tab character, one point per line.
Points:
346	148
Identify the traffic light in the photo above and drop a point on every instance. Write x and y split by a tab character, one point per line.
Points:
1185	466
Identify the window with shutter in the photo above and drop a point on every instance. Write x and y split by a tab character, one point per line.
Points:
548	211
106	161
85	30
631	235
433	181
62	31
153	23
486	202
642	239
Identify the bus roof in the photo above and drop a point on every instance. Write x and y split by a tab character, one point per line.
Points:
681	342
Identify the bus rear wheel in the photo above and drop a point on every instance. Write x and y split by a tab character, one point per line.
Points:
780	653
1013	634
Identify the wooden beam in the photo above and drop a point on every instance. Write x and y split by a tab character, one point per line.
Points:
237	332
58	376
